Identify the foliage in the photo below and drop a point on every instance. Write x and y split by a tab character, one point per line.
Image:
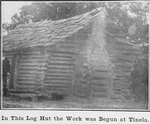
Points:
123	14
140	77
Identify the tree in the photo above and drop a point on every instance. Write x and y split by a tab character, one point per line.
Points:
123	15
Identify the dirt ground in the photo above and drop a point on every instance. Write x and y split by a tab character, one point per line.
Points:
71	103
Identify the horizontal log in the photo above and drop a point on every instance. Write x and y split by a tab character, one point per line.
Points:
117	86
57	81
69	47
101	71
122	59
122	67
122	75
99	78
126	74
58	75
118	78
59	71
121	87
26	87
28	68
62	92
33	57
35	52
58	85
122	70
60	59
99	84
50	64
61	52
118	92
58	78
31	60
26	80
62	56
31	68
24	56
123	90
28	75
58	90
32	64
26	83
24	77
116	61
131	65
61	68
21	78
27	71
47	87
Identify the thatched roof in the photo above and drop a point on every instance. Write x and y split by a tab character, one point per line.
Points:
46	33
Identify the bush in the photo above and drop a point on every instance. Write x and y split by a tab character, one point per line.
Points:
140	77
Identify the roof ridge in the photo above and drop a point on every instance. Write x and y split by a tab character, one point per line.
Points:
92	12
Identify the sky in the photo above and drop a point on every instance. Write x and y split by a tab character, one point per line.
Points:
9	8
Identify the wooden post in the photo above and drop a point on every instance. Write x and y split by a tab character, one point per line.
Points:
16	69
12	71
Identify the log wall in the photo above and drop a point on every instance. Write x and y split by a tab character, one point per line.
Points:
122	57
31	70
60	72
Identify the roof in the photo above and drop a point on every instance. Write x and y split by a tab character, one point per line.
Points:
46	33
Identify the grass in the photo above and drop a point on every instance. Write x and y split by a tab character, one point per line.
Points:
73	103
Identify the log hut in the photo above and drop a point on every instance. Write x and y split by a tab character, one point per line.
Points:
84	56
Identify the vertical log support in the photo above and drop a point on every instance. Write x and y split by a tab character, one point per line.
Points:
41	72
12	71
16	70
